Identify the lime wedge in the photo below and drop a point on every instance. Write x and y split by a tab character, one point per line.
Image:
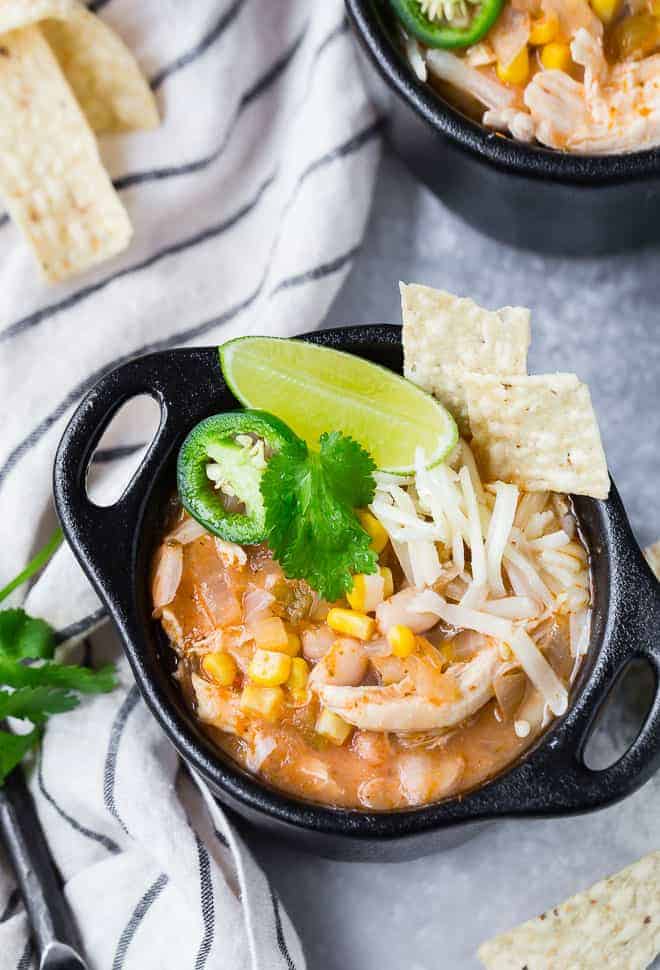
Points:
316	389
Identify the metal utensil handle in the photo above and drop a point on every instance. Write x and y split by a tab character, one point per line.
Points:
103	538
53	927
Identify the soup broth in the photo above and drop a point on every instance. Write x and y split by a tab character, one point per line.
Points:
410	708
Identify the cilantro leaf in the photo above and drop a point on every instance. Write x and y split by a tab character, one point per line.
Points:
36	703
25	637
52	674
13	748
348	469
36	692
309	499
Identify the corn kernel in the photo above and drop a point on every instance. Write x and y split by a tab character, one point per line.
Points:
557	57
386	572
606	10
269	668
371	525
293	644
401	639
544	29
220	667
299	674
367	592
356	597
299	697
332	727
263	701
517	71
350	623
271	634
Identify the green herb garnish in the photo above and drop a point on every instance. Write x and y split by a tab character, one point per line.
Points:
311	524
38	690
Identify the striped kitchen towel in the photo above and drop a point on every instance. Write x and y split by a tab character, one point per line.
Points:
248	205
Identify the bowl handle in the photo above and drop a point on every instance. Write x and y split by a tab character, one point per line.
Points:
555	779
104	538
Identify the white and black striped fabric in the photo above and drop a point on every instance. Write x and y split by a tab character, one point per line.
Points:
248	205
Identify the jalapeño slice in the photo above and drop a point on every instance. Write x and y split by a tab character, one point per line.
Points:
436	33
219	472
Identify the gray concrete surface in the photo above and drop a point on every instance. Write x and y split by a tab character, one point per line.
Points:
600	319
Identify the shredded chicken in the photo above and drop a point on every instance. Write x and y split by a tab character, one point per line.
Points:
400	707
616	109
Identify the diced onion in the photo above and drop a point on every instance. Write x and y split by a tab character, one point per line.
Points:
256	605
167	576
187	531
261	747
230	552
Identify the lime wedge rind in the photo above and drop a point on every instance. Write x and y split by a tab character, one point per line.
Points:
315	388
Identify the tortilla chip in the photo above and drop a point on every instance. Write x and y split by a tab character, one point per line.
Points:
445	335
538	432
22	13
103	73
652	556
615	925
51	175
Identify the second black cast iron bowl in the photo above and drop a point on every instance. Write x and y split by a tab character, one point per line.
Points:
524	195
114	546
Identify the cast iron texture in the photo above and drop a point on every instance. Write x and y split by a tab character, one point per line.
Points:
114	546
525	195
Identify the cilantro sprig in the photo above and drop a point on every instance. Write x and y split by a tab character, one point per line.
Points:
32	692
310	498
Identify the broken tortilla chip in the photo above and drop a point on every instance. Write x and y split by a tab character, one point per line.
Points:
104	75
652	556
445	335
537	432
615	924
51	175
102	71
22	13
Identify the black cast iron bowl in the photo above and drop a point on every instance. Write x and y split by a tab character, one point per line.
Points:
114	546
527	196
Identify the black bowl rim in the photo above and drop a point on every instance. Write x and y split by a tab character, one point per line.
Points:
501	151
